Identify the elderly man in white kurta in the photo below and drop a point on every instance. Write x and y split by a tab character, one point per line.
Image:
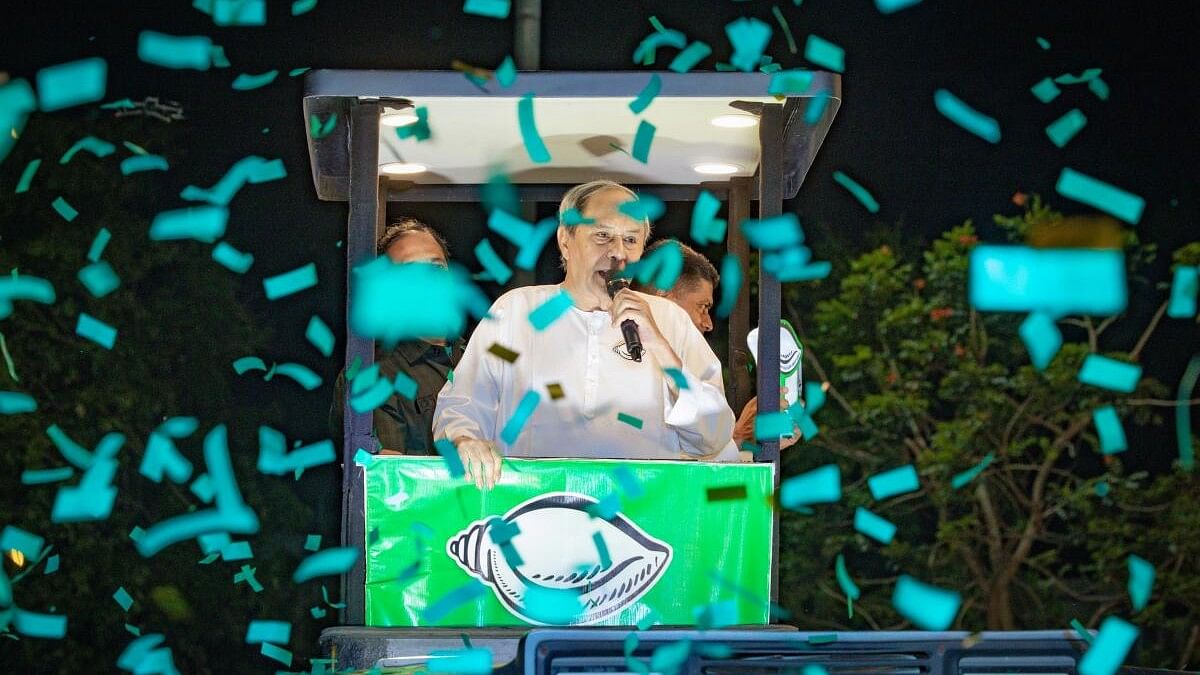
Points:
605	404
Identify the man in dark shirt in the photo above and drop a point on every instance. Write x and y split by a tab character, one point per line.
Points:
403	425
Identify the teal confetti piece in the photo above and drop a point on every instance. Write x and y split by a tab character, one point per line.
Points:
731	284
787	82
814	397
749	37
277	653
849	588
163	457
1099	87
1045	90
520	416
770	426
887	7
317	612
628	482
1082	631
64	209
264	630
96	330
248	363
176	52
419	130
331	561
246	575
303	375
16	102
690	57
602	550
1082	78
237	550
449	453
969	475
44	476
493	9
96	146
1101	371
548	312
506	72
777	232
510	227
298	71
1054	281
15	403
201	223
821	485
787	30
955	110
860	193
135	148
606	508
646	96
534	146
99	279
231	258
1107	653
1041	337
33	624
447	603
273	461
643	207
928	607
203	489
69	449
1063	129
99	244
704	217
71	84
123	598
491	262
554	606
240	12
52	564
898	481
1096	193
646	51
405	386
823	639
251	169
247	82
289	283
632	421
318	129
312	543
140	163
303	7
93	498
1184	289
1043	42
319	335
214	542
816	107
532	247
1183	423
875	527
825	54
1108	428
1141	581
677	377
28	543
476	661
27	176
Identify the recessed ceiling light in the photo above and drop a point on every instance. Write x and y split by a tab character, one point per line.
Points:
716	168
400	118
734	121
402	168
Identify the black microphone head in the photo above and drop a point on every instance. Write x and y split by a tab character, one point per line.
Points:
617	284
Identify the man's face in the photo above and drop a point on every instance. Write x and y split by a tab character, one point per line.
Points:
417	246
590	250
695	296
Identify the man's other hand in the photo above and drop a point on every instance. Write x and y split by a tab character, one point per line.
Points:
480	460
743	430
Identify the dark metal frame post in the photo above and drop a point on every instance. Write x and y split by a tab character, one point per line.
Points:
739	319
361	229
770	203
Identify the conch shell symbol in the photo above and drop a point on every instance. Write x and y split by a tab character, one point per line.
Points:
556	545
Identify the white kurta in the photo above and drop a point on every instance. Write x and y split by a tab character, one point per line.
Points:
582	353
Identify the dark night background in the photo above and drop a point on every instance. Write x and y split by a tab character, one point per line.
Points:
926	173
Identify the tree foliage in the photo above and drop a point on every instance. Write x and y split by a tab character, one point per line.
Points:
1042	535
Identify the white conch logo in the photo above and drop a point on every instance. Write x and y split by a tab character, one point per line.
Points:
559	553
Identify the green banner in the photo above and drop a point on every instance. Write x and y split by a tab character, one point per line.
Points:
676	542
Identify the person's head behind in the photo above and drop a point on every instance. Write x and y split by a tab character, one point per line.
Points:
589	251
693	290
409	240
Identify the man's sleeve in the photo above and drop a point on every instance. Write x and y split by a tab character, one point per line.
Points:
699	413
467	405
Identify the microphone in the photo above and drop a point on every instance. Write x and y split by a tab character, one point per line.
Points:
629	327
